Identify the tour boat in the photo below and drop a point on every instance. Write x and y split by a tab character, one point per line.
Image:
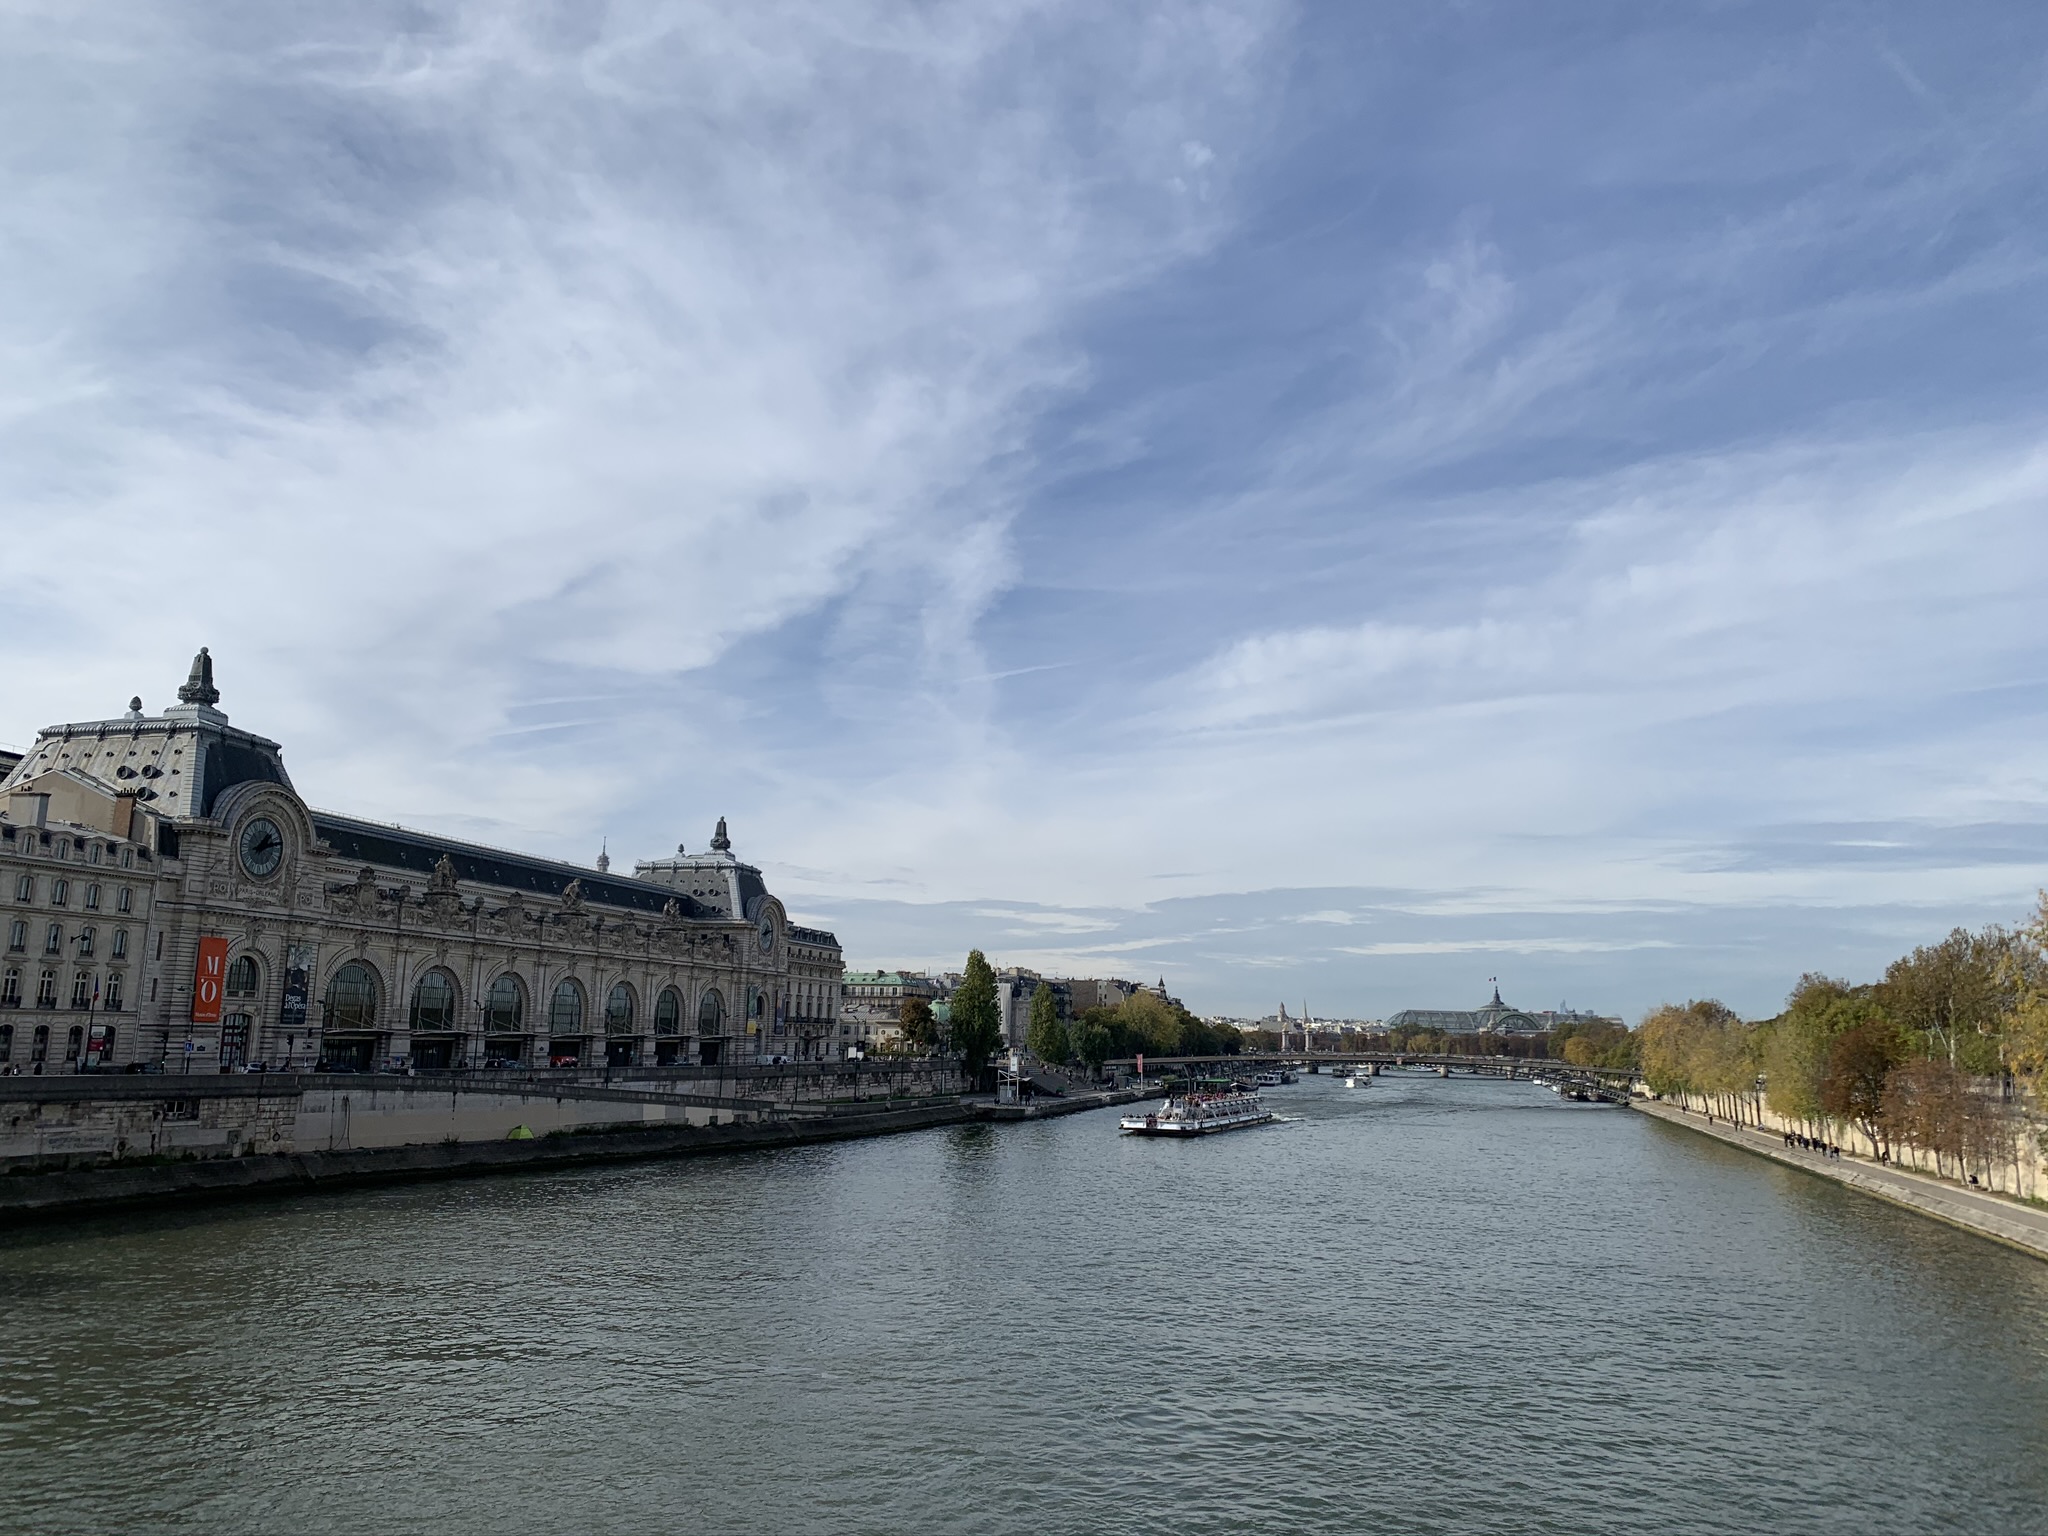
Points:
1201	1111
1274	1079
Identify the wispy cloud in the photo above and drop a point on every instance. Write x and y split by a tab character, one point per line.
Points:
1018	459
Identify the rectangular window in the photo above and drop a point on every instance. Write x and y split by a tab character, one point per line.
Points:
10	989
6	1041
85	943
113	1002
25	888
92	898
60	892
152	989
53	941
17	936
81	990
125	901
127	858
159	946
120	950
46	990
63	847
93	856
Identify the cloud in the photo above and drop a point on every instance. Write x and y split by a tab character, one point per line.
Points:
1007	457
1507	947
497	352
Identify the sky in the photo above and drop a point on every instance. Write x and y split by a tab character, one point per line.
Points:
1334	503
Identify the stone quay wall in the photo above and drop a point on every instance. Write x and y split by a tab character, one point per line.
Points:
2024	1176
72	1122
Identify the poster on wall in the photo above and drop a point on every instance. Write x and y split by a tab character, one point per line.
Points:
298	972
207	978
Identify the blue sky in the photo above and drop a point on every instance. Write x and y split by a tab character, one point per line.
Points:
1314	502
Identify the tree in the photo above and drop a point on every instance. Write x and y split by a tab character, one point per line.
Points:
977	1021
1091	1040
1859	1062
1046	1036
920	1025
2025	1026
1956	993
1795	1045
1149	1023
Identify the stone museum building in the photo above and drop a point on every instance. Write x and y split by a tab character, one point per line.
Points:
171	902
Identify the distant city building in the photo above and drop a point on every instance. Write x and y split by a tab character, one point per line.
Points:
175	902
1015	988
1494	1017
871	1009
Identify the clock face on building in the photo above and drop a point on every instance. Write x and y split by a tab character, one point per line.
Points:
262	847
767	935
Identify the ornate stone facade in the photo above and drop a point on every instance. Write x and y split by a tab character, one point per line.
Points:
230	924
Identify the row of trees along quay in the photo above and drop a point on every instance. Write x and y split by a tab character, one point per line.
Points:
1939	1066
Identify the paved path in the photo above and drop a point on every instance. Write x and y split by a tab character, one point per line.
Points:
1995	1216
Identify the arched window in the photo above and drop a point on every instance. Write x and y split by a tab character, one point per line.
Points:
565	1013
242	976
668	1013
506	1007
711	1013
618	1010
433	1002
352	998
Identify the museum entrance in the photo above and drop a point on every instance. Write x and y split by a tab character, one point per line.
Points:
434	1054
349	1053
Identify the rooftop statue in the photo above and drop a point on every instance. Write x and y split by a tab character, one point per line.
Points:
199	687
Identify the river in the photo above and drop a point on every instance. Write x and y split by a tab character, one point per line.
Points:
1427	1306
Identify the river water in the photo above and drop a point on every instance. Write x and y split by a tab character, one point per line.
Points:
1426	1306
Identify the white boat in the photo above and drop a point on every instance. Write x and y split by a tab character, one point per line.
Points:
1278	1078
1200	1112
1358	1077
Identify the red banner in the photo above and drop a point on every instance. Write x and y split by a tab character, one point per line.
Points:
207	978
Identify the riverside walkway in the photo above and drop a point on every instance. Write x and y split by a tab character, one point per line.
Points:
1994	1216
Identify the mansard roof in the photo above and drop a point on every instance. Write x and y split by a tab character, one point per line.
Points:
370	842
